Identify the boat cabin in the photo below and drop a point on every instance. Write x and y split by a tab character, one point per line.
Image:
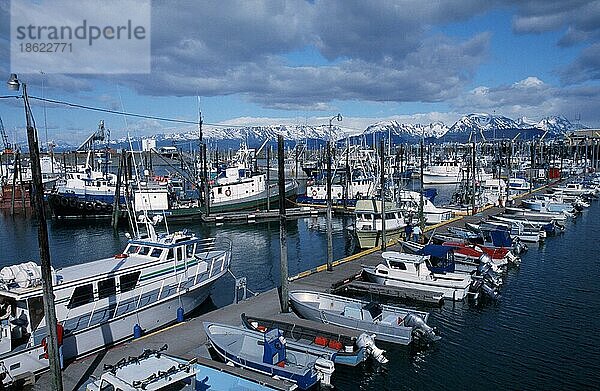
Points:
412	264
88	294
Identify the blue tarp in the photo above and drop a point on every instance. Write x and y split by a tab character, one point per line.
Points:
435	250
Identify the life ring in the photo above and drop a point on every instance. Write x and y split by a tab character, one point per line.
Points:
228	192
314	193
121	256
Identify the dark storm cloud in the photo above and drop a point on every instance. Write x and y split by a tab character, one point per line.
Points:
581	17
379	51
586	67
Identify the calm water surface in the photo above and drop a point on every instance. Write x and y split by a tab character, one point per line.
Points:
544	333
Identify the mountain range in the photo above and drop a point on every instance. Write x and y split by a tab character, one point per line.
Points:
471	127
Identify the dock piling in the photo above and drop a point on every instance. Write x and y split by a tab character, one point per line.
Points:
284	291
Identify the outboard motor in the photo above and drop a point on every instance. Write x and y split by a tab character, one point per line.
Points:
490	291
486	259
366	341
485	271
420	330
324	370
481	285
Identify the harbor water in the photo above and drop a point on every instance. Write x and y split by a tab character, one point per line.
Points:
543	334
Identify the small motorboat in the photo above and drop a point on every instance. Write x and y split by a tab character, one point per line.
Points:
156	370
349	350
410	271
270	353
388	323
466	257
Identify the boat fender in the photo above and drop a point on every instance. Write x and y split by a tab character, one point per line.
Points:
137	331
64	201
180	314
89	206
97	206
80	205
72	203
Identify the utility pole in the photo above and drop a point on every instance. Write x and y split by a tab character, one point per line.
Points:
283	263
44	247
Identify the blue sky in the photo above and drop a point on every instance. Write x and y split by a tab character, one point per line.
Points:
274	62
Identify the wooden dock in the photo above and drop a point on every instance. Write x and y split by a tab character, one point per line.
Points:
260	215
188	340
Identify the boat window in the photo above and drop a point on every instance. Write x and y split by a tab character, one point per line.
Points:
132	249
170	254
390	216
36	311
219	190
144	250
83	294
189	249
397	265
156	252
179	253
106	288
129	281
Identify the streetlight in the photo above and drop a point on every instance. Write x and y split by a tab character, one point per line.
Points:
45	264
329	228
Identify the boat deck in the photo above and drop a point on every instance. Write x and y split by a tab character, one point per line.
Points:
188	339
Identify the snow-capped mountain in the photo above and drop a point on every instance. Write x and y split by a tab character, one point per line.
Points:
482	122
402	132
556	125
260	133
469	127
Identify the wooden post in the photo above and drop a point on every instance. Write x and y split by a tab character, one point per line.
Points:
473	211
269	175
283	262
329	228
117	200
46	266
14	184
347	181
382	180
421	201
205	175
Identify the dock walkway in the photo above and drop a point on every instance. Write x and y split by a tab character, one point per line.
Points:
188	340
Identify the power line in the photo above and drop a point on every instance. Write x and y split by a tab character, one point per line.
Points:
102	110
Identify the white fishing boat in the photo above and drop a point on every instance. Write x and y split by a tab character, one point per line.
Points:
368	224
154	282
409	202
411	271
447	171
518	185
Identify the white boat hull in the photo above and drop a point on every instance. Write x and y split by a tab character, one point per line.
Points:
453	290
